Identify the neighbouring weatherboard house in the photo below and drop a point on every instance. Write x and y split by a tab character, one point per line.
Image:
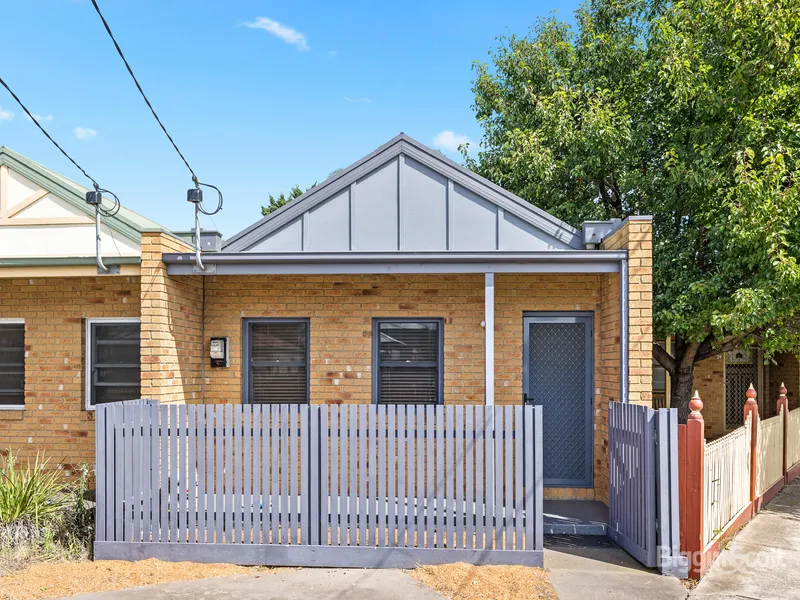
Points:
404	278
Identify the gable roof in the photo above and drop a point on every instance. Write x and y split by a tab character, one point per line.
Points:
524	213
126	222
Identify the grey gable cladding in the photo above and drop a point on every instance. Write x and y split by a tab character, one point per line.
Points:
405	197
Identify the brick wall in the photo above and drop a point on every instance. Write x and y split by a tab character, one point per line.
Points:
341	309
172	325
709	381
786	370
55	311
516	294
635	235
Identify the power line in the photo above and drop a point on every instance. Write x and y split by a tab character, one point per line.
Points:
141	91
49	137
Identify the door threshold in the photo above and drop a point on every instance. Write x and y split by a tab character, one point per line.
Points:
575	517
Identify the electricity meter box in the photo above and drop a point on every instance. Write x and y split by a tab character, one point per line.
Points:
218	351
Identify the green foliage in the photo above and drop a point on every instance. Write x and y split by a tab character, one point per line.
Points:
41	516
686	110
32	494
275	202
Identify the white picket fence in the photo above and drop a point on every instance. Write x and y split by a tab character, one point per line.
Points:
793	439
770	452
727	478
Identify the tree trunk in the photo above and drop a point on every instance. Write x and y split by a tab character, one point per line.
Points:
681	391
682	378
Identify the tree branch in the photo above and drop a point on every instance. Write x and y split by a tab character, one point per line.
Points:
707	348
665	359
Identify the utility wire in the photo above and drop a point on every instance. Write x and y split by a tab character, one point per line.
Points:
39	125
141	91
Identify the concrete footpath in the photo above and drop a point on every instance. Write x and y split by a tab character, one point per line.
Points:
594	568
322	584
763	560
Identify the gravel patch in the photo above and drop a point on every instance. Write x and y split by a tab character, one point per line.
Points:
460	581
57	580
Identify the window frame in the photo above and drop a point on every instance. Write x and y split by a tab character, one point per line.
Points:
376	356
16	321
88	354
247	380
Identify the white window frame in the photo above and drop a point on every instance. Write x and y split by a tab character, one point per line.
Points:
25	368
87	358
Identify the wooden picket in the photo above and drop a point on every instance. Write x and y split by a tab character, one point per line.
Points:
316	485
770	452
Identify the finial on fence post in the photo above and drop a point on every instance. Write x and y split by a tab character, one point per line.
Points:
782	399
751	408
695	406
750	404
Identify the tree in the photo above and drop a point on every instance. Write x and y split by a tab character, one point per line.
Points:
275	202
686	110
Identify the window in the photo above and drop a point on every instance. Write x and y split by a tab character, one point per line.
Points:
113	369
12	364
277	355
407	358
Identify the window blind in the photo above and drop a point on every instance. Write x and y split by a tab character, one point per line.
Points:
278	362
12	364
409	361
115	366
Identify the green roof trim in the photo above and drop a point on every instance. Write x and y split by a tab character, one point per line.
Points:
126	222
67	261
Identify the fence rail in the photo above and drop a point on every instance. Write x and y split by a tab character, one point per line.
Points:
793	438
321	486
770	452
727	478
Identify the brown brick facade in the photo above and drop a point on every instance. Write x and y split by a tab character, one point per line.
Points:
55	311
179	314
709	380
172	325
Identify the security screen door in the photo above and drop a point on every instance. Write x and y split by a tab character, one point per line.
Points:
557	374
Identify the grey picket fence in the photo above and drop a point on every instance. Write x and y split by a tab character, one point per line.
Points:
361	485
643	516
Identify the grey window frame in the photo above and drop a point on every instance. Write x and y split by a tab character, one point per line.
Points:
90	352
376	355
247	392
16	323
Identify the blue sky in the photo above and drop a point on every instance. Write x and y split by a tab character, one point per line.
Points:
259	95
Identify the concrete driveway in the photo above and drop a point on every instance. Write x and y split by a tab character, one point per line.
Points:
594	568
322	584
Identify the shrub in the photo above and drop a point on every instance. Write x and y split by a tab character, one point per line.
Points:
31	494
42	517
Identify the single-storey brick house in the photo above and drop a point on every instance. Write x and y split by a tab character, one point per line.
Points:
403	278
68	337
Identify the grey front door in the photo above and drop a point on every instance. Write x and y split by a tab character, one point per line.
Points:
557	374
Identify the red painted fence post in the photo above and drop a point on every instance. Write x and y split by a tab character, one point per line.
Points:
751	408
691	478
783	405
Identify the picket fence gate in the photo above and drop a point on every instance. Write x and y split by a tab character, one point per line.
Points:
337	486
